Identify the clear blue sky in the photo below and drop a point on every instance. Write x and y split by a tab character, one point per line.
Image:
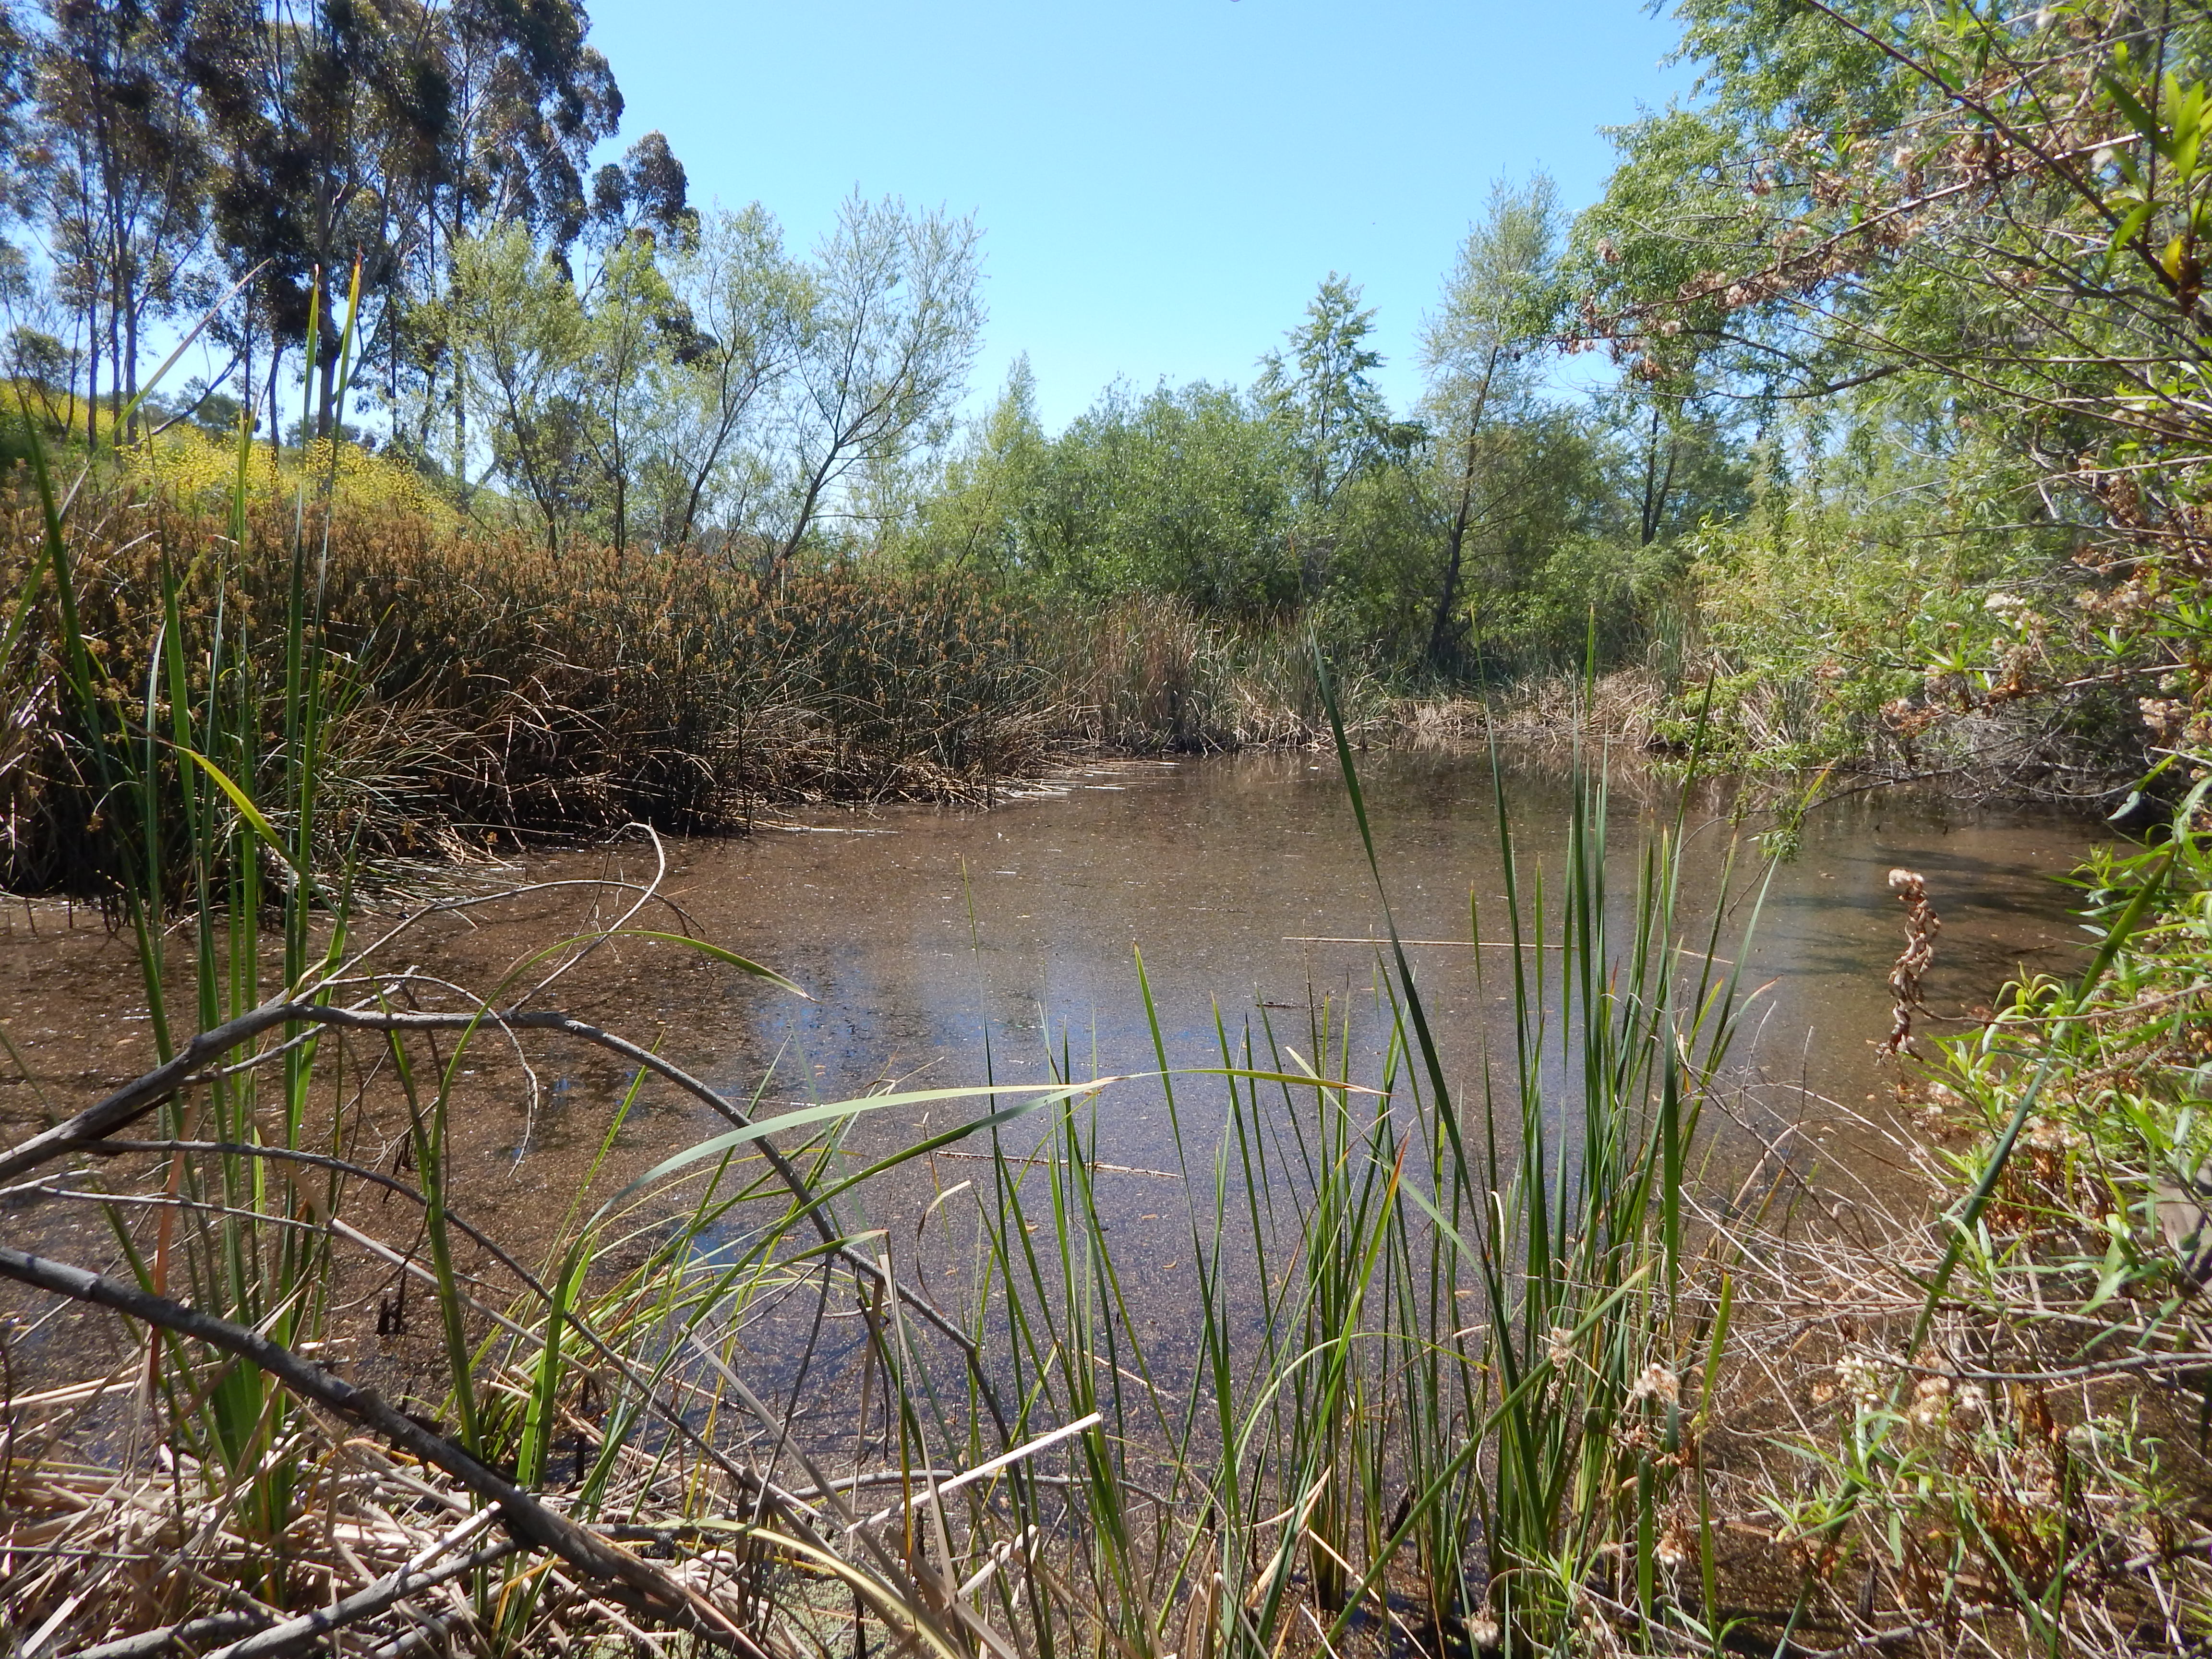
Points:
1161	183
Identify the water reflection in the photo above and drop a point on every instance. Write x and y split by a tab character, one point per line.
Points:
936	944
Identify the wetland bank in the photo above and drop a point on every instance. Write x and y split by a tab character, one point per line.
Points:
1166	1235
1045	1109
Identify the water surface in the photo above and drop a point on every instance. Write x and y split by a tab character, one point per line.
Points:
944	946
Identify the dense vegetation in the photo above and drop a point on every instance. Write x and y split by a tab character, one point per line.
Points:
1905	466
590	358
1898	308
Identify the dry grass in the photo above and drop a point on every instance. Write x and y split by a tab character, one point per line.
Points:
496	690
1966	1408
1147	674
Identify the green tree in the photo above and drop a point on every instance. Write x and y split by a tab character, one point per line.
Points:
515	310
1191	493
123	161
735	340
975	515
526	100
1500	301
626	338
1957	235
891	327
328	122
1337	418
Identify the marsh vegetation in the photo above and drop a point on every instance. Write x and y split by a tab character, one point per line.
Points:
656	527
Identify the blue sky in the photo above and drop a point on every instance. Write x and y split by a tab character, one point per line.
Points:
1161	183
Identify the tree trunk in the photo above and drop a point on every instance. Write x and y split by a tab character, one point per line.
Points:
622	512
1656	486
1455	541
92	370
115	362
782	556
1441	623
326	392
276	414
130	362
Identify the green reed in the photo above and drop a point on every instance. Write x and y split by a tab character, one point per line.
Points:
205	780
1438	1377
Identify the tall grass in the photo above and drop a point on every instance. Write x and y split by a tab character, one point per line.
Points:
1144	673
1440	1371
494	690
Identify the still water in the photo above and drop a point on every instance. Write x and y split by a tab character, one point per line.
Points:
1242	883
942	947
937	943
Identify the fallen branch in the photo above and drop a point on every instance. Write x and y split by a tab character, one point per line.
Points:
135	1099
619	1573
297	1635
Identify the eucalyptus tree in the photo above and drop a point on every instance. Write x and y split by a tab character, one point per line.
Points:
120	168
526	99
329	120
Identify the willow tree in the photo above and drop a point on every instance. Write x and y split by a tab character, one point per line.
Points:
892	323
1499	304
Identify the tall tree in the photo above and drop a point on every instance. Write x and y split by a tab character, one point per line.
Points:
515	312
529	100
892	328
18	185
626	336
1337	416
1499	302
329	119
1191	492
123	170
744	309
974	516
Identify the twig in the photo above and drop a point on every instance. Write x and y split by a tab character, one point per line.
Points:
295	1635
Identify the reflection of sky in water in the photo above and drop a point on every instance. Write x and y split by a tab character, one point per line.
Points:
1232	875
920	931
1225	872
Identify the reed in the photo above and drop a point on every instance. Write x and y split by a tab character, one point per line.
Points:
493	691
1147	674
1441	1377
496	692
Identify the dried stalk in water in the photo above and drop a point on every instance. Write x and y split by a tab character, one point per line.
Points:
1921	926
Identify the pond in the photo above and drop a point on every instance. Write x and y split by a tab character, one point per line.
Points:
945	946
923	936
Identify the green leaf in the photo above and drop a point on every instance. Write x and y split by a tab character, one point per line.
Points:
246	810
2132	106
716	1146
730	959
2131	227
